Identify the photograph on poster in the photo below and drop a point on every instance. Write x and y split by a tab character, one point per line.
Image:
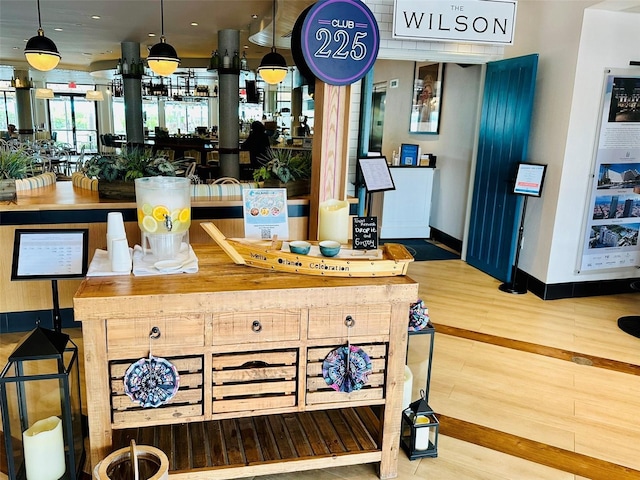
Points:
609	207
625	100
619	175
608	236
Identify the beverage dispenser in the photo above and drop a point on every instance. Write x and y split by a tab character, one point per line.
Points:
164	215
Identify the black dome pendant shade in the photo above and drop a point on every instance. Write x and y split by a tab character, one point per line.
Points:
40	51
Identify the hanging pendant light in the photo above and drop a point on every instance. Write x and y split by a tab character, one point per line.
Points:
42	54
44	93
94	95
163	59
273	67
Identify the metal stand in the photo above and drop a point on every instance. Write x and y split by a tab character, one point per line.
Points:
57	318
512	286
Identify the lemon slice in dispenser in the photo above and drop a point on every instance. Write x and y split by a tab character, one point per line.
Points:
149	224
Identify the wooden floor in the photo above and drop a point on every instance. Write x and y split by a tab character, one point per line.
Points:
524	388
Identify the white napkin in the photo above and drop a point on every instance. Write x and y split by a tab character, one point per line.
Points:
101	265
143	265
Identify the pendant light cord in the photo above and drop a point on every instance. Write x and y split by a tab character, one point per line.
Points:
39	21
273	35
162	18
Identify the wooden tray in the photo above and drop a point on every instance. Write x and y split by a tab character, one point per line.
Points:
394	258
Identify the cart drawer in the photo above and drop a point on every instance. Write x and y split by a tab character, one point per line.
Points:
319	392
366	320
185	405
258	326
254	381
133	335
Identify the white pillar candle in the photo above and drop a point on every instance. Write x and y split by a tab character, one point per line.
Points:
333	223
44	450
422	434
408	387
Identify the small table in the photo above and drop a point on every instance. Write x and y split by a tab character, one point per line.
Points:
249	345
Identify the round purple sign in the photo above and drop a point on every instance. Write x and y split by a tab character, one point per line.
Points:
340	41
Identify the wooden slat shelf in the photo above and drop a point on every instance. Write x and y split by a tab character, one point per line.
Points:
258	440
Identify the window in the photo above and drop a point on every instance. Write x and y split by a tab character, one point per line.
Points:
8	105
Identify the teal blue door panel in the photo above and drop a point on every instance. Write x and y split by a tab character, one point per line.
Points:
503	138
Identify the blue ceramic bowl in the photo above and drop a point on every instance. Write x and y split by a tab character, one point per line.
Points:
329	248
300	247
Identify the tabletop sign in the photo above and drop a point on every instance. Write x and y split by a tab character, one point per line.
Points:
340	41
365	233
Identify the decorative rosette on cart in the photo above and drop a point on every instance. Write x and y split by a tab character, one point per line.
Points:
151	381
346	368
418	316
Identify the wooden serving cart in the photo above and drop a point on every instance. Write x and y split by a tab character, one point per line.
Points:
249	346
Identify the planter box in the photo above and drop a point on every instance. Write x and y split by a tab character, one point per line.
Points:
117	190
8	189
294	188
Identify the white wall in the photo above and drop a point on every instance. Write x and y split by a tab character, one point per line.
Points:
574	51
453	146
573	56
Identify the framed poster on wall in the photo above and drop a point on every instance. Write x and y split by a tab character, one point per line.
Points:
426	98
612	224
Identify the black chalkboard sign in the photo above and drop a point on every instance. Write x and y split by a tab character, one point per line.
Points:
365	233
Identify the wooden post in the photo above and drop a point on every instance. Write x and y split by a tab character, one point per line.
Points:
330	155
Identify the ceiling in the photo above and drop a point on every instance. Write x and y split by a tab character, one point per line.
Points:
90	47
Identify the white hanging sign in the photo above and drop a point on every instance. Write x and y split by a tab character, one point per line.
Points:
474	21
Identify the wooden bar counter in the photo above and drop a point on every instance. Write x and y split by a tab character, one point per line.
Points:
63	206
249	346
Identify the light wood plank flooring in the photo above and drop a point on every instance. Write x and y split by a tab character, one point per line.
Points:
524	388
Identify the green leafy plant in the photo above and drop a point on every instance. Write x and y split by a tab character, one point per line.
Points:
14	164
131	164
285	165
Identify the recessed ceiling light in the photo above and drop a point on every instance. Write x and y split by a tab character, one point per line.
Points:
58	29
95	17
254	16
152	34
15	48
194	24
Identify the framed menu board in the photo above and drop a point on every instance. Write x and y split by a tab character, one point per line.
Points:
50	254
376	174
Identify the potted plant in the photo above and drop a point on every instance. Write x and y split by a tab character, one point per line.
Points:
14	164
286	168
116	173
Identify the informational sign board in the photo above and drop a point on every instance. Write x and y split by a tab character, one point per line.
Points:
488	21
365	233
612	224
50	254
409	154
376	173
265	213
340	41
529	179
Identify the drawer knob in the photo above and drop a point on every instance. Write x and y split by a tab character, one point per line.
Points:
154	333
349	321
256	326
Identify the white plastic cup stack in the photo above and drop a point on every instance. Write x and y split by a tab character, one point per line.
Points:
115	229
120	256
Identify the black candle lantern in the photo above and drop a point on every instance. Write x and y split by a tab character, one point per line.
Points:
41	408
420	429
